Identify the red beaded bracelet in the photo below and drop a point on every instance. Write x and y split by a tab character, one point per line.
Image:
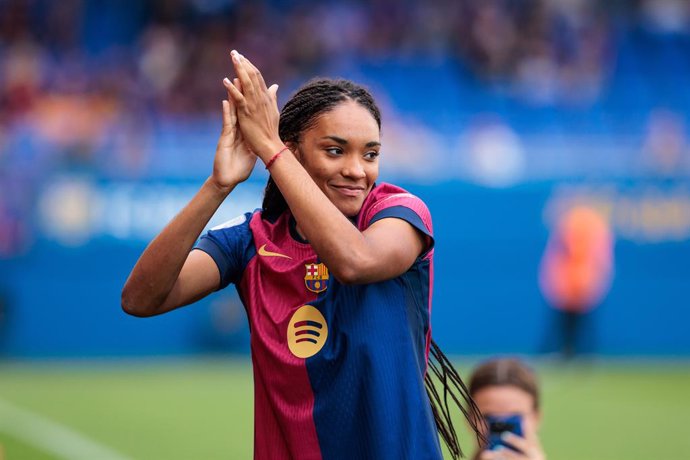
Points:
275	157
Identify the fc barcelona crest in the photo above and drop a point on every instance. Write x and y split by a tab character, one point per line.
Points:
316	278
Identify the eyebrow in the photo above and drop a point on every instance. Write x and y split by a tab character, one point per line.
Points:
344	142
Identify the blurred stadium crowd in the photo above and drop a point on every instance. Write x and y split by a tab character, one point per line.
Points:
167	55
86	77
496	91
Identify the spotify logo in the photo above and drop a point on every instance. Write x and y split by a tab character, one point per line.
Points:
307	332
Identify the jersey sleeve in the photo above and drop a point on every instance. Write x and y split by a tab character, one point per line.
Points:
403	206
230	245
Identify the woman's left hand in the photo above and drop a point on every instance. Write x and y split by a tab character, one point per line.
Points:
257	108
233	162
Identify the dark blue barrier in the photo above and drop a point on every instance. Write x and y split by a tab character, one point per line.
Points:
64	301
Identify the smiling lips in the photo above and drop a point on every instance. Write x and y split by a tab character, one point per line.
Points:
349	190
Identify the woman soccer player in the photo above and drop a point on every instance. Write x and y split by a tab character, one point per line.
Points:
334	271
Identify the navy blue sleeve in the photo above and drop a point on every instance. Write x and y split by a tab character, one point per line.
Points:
231	245
409	216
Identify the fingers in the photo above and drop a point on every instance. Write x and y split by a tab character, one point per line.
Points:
516	441
507	454
273	92
227	117
230	131
227	84
258	84
234	94
254	73
529	447
501	453
487	455
242	71
247	88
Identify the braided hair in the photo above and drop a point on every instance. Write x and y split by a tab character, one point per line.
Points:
301	112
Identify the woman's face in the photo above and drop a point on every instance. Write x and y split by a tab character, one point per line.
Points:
505	400
340	152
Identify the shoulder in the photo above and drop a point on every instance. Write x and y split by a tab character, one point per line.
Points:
388	200
230	245
237	227
231	237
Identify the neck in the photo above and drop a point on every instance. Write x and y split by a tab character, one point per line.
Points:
300	232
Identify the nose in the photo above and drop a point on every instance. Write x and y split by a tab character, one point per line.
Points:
353	167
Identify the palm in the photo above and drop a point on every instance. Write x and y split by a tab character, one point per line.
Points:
234	161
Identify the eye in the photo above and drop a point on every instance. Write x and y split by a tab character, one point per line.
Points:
335	151
371	155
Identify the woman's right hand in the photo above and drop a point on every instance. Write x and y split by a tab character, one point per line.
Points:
234	161
257	108
530	449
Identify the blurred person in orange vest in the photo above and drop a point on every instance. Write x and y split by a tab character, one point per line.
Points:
576	269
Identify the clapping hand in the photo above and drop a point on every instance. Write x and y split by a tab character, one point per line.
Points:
257	108
234	161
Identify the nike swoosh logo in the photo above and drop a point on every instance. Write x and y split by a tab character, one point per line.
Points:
264	252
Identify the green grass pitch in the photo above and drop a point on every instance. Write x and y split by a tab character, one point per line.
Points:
202	409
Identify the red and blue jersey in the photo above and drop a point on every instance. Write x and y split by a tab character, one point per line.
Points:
338	369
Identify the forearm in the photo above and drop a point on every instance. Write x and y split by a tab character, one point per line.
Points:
156	271
339	244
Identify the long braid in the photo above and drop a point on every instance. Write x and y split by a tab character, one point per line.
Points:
454	388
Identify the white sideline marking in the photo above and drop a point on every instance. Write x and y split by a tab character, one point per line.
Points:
51	436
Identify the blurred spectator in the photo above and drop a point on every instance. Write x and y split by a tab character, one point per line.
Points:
575	272
508	389
495	155
401	140
666	149
15	200
547	52
22	73
666	16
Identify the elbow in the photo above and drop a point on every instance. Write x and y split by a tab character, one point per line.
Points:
135	307
346	276
353	271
